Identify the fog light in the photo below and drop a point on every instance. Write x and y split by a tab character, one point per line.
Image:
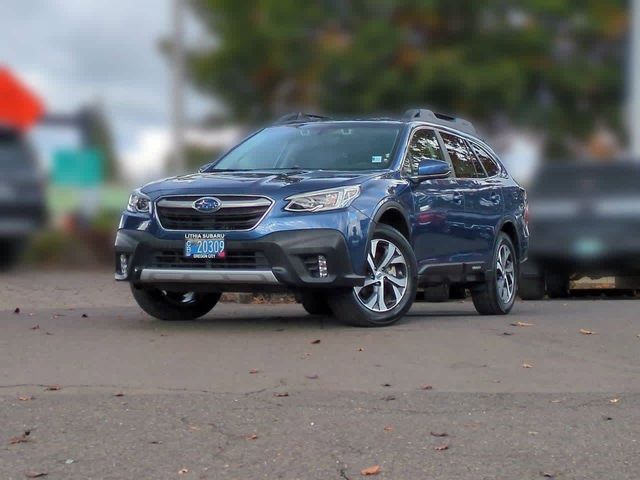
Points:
124	263
322	266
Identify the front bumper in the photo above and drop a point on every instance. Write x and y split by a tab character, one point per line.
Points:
280	259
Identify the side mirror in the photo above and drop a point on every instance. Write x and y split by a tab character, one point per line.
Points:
430	168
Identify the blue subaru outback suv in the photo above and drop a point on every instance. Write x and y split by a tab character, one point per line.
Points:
351	216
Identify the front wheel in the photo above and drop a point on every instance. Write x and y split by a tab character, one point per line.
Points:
172	306
497	294
390	286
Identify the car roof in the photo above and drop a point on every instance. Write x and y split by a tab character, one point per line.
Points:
413	118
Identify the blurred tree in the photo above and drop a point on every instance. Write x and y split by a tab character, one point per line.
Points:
556	66
96	133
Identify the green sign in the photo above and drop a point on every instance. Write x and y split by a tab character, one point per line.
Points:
78	167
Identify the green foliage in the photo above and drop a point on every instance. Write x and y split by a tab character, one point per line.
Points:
552	65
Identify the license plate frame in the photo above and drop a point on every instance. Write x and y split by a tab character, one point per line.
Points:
204	245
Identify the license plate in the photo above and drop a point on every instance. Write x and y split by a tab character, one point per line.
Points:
204	245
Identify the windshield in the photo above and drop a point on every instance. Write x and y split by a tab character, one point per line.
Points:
336	146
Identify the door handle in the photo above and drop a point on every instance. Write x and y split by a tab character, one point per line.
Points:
495	198
457	198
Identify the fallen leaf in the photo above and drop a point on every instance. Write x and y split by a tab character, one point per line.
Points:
281	394
183	471
53	388
375	470
360	349
426	387
25	398
253	436
48	333
389	398
584	331
84	315
440	448
312	377
36	327
24	438
521	324
69	461
507	333
439	434
548	475
386	384
388	428
17	310
614	400
527	365
119	394
315	342
254	371
35	474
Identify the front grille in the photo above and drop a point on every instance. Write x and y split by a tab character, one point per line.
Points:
236	213
239	260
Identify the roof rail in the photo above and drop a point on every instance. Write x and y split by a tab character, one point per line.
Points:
300	117
441	119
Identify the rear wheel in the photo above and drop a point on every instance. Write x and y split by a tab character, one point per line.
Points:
390	287
173	306
497	294
314	302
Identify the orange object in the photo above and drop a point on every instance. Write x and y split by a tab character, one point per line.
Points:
19	107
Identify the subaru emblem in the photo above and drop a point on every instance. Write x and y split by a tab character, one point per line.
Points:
207	204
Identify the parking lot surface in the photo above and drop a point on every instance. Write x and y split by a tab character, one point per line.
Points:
265	391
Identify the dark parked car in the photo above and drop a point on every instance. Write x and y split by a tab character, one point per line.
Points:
585	221
22	197
352	216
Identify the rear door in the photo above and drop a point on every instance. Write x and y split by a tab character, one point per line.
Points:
483	200
488	200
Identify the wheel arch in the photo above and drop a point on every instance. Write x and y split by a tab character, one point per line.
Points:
510	229
393	214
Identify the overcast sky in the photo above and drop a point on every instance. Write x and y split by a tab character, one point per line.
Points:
76	51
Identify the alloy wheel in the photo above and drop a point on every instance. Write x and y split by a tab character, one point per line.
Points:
386	282
505	274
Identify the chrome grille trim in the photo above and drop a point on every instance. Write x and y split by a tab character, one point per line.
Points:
261	202
253	201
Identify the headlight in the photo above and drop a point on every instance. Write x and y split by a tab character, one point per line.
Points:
323	200
139	203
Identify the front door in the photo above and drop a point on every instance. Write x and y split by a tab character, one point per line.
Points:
438	205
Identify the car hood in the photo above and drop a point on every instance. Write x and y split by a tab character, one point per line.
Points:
276	185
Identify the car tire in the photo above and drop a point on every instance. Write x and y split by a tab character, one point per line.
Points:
174	306
531	288
390	287
497	294
557	285
314	302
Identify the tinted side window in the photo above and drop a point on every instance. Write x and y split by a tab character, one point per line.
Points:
424	144
461	156
487	162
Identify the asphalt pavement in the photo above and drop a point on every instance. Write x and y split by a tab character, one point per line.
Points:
265	391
